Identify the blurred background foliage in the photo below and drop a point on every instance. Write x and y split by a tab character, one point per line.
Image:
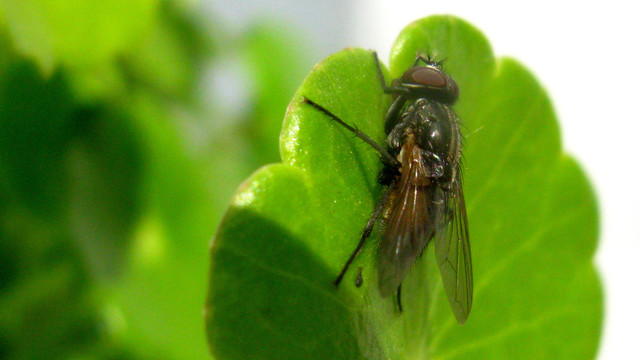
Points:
123	135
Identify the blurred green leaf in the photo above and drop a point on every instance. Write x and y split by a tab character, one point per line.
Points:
170	58
277	59
104	167
35	129
104	170
161	290
76	33
67	206
532	218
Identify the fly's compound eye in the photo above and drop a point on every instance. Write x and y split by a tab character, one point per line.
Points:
425	76
432	82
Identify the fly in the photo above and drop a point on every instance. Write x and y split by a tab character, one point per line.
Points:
422	172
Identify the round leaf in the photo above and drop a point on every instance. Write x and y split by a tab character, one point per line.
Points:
291	226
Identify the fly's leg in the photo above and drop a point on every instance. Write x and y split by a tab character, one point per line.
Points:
421	57
426	59
365	233
387	158
399	298
394	88
391	118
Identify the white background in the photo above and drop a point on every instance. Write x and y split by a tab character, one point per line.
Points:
584	53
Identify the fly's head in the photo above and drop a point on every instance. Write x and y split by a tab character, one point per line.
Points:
429	81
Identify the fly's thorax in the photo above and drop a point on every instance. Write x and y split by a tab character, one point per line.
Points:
434	128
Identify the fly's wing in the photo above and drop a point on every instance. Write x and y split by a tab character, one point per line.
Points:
409	226
453	254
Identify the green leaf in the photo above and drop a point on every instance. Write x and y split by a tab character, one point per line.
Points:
104	166
78	33
276	62
68	179
169	59
161	290
291	226
35	119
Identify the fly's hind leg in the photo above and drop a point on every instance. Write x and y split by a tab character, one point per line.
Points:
365	233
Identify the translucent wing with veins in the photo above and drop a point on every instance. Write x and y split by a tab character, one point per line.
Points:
453	253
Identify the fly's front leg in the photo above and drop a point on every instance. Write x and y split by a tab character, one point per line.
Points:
391	119
426	59
393	89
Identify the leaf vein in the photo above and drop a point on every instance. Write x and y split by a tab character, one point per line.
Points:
284	274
